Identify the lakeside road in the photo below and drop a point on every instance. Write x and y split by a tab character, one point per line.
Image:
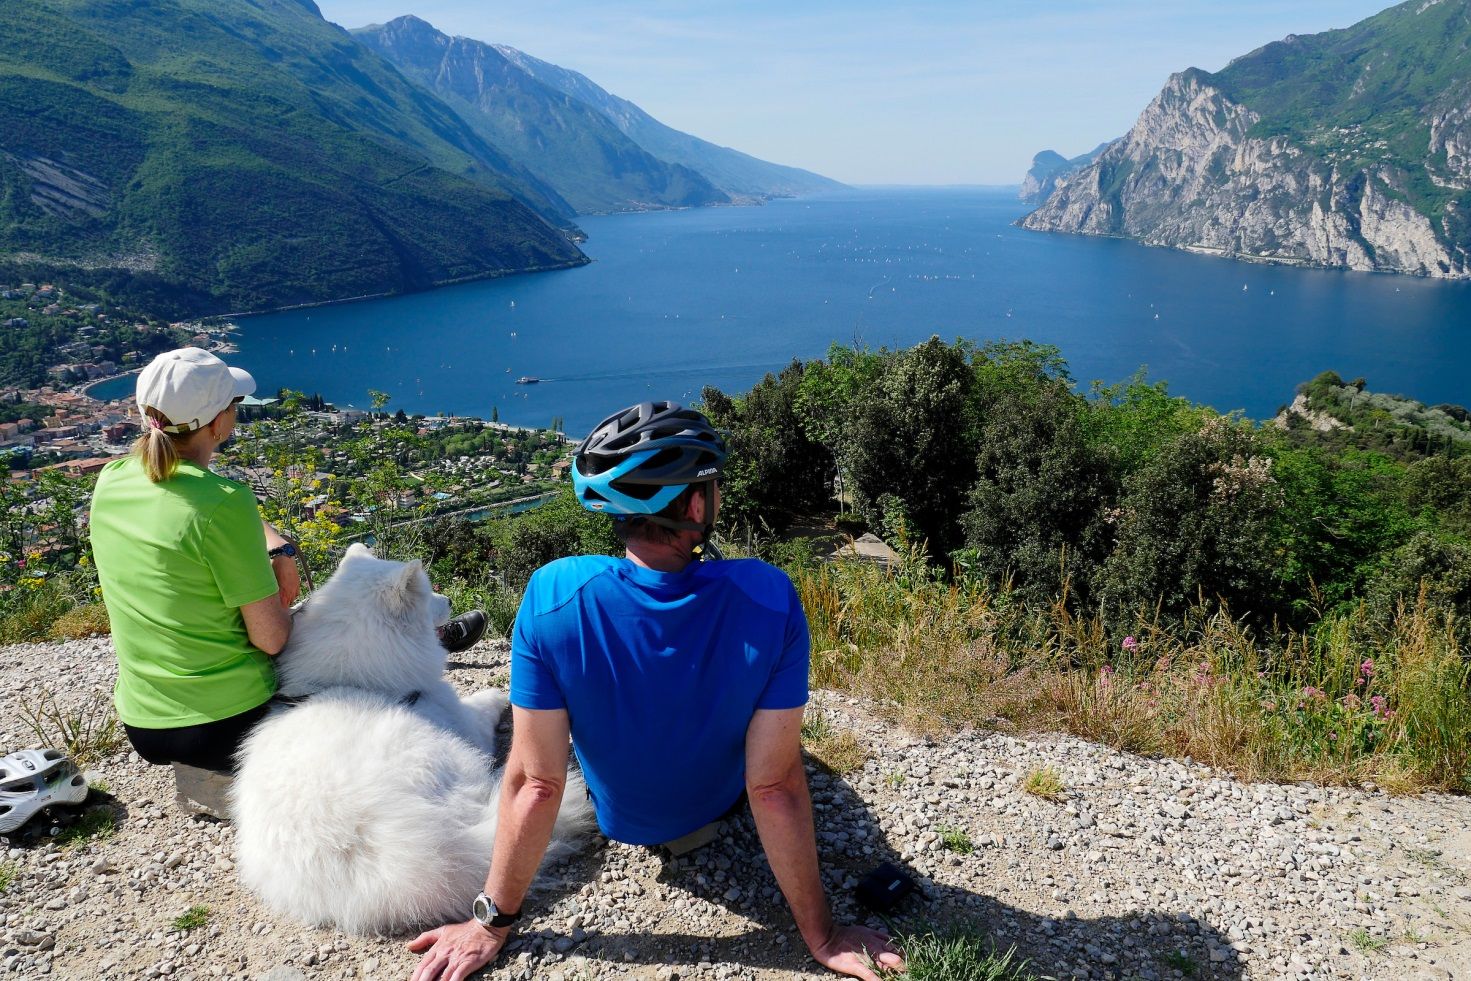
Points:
1148	869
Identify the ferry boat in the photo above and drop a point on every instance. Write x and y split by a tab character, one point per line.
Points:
527	380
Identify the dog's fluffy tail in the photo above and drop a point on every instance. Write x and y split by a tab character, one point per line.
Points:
354	812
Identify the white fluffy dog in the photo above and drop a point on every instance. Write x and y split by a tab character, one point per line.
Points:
371	804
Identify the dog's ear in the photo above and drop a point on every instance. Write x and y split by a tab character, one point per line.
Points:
409	588
357	550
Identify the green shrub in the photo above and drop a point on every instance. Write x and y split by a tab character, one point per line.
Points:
561	527
28	611
1431	567
191	919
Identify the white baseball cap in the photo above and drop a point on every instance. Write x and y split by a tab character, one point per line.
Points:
191	386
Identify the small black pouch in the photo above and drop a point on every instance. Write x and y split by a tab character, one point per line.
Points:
883	888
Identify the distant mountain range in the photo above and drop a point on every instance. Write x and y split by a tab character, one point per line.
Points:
740	175
246	154
600	152
1350	148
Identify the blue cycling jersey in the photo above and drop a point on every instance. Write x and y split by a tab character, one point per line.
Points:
660	673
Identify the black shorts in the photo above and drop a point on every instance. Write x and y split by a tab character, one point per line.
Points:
209	746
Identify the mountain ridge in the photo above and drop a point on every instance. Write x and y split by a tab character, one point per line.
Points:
1049	167
270	161
572	147
744	177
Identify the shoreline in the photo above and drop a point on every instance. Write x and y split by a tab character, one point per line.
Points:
472	278
85	390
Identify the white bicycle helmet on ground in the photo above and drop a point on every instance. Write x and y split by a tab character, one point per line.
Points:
32	779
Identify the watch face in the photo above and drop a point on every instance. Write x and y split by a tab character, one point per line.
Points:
481	909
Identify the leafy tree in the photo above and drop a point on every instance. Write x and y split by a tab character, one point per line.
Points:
775	472
1136	419
1036	509
561	527
826	395
914	436
454	548
1198	521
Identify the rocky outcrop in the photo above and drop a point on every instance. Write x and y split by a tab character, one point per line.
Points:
1049	167
1197	172
1322	422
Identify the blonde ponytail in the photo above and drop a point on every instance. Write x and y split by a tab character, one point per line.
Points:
156	448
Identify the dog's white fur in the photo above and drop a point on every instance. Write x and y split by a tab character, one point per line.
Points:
352	808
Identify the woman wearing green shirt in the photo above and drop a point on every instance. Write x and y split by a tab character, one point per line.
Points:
198	587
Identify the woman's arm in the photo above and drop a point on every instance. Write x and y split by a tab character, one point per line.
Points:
267	623
288	576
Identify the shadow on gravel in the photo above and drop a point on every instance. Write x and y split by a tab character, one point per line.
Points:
95	818
732	873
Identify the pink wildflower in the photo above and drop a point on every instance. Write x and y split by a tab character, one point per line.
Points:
1130	643
1379	703
1367	668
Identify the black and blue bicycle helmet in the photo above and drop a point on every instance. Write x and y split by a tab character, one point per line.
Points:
637	461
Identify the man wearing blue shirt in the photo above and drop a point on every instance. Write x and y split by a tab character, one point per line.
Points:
681	684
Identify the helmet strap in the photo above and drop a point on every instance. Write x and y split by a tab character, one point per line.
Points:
704	548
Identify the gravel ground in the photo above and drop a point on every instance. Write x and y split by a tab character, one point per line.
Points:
1145	869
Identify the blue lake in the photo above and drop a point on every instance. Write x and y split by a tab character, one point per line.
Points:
678	300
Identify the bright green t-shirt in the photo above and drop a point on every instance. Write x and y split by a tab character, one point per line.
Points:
177	560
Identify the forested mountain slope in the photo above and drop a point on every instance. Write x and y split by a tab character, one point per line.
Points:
248	154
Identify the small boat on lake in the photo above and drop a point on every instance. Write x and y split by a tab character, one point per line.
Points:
527	380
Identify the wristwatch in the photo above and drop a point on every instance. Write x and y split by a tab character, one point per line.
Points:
488	915
289	550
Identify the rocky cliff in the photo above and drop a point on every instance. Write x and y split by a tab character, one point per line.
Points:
1349	149
1049	167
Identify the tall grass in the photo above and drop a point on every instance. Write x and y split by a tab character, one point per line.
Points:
957	954
87	729
1348	702
62	607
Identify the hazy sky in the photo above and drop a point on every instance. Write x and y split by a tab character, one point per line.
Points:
870	92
